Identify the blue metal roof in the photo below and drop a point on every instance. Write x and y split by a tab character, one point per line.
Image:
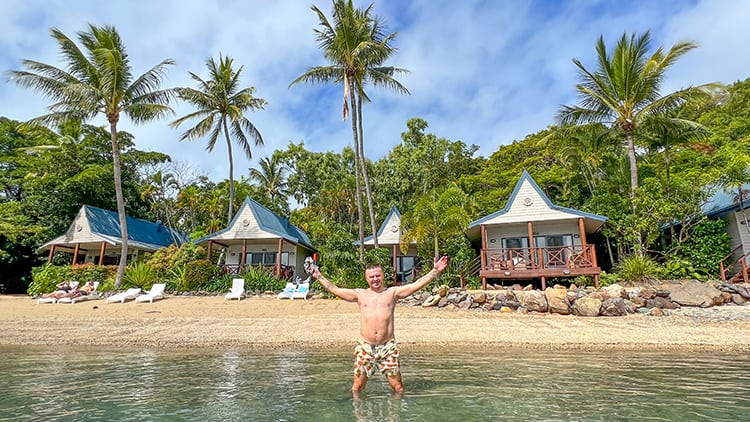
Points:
526	176
107	223
268	221
723	201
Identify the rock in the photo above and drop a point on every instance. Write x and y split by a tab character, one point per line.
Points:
615	290
465	304
431	301
647	293
617	306
557	300
586	306
480	298
533	300
693	293
529	287
506	309
738	299
656	312
443	302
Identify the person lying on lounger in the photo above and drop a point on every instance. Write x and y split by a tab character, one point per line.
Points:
63	289
82	291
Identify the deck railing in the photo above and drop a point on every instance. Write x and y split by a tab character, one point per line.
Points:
557	257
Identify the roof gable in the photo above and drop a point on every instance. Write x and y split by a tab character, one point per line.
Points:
528	199
390	230
253	220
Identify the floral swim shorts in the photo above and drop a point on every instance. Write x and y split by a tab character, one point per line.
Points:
369	358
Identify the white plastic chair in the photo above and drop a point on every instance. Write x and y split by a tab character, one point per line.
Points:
301	292
237	291
122	297
94	294
156	292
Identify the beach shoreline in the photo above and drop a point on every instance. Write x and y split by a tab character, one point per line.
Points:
210	322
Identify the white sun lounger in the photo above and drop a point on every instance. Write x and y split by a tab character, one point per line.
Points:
156	292
288	291
122	297
73	285
237	291
301	292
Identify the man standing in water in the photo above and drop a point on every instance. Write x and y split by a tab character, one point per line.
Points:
377	349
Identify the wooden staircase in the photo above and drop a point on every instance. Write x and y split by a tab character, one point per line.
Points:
738	268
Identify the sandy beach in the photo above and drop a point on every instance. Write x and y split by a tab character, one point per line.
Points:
266	322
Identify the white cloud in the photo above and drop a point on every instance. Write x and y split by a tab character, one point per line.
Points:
483	72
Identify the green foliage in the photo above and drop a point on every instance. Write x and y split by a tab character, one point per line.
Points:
605	279
258	278
47	276
138	274
198	273
699	255
639	269
164	260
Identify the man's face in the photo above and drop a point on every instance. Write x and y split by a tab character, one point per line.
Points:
374	277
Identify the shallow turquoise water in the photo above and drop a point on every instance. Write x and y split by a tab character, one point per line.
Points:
304	385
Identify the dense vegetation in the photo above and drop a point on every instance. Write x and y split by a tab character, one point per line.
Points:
47	173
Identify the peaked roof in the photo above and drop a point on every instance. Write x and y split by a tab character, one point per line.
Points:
141	233
268	221
723	201
526	177
394	212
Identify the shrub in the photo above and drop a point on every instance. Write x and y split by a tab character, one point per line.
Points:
258	278
198	273
638	269
138	274
46	277
166	259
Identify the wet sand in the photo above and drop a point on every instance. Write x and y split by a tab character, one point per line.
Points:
266	322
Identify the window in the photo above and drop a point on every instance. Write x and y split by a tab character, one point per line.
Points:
261	258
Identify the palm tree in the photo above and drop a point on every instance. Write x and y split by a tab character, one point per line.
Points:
438	215
371	71
98	80
271	176
354	44
221	106
624	91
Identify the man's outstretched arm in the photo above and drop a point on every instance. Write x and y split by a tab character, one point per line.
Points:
437	268
349	295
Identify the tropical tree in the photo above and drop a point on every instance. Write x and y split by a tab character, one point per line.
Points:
271	177
221	106
98	79
438	215
356	46
624	91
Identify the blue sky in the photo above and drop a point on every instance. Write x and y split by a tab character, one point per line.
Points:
484	72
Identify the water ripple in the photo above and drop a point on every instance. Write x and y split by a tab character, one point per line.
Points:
295	385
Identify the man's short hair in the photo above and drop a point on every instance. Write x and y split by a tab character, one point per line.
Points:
373	265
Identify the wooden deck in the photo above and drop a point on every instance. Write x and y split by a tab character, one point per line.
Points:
539	263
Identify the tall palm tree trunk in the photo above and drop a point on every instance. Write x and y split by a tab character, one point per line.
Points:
120	200
634	183
230	213
363	163
357	158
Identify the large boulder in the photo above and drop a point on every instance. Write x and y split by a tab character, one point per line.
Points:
694	293
557	300
617	306
533	300
586	306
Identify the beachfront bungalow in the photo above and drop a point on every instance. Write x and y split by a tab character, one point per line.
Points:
534	239
724	205
407	265
257	236
94	236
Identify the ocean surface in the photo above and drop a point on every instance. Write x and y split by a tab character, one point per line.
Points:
69	384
